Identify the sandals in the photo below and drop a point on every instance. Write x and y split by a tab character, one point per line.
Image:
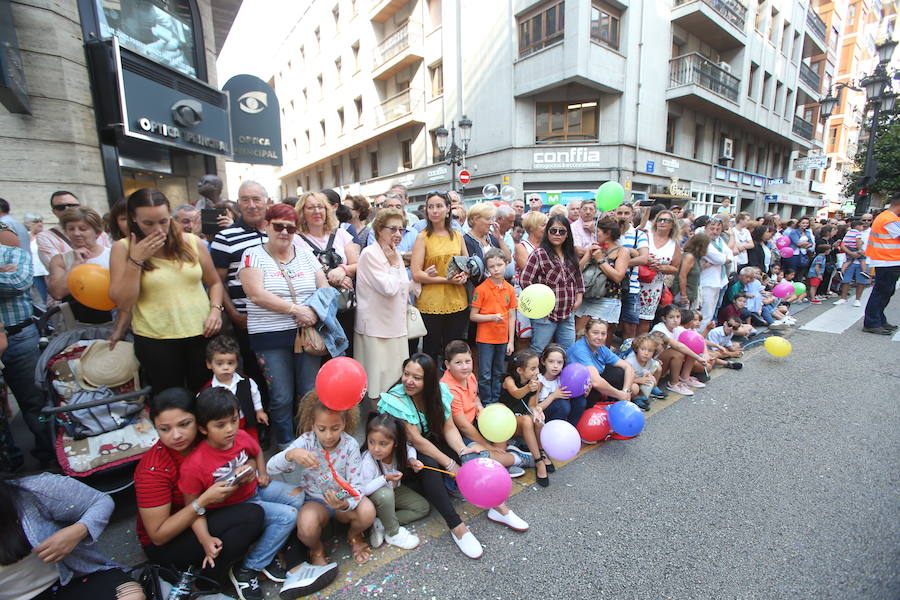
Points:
551	468
360	550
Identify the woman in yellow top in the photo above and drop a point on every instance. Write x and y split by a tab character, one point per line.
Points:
443	302
159	274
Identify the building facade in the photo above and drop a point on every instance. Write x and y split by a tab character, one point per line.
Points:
707	98
121	96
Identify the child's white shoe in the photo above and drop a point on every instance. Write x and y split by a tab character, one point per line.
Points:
403	539
376	536
468	544
510	519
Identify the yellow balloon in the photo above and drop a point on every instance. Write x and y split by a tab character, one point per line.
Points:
778	346
497	423
537	301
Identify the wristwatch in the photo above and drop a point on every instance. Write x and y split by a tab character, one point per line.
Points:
198	509
221	307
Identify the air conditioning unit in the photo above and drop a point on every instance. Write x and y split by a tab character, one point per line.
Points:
725	66
727	148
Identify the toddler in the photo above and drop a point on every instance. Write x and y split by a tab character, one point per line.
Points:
647	370
222	354
816	272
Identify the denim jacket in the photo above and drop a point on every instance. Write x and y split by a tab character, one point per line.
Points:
324	302
50	502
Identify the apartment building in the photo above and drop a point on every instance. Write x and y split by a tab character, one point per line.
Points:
698	99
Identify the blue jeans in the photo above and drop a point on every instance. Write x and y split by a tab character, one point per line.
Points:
543	331
566	409
280	518
19	362
630	308
288	375
491	367
882	291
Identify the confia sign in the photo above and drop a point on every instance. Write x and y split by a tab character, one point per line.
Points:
255	121
566	158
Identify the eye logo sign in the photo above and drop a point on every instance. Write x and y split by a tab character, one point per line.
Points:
253	102
187	113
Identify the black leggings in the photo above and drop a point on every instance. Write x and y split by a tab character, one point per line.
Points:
614	376
443	329
431	485
238	527
101	584
173	363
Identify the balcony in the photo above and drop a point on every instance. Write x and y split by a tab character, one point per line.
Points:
400	109
398	50
815	24
382	10
810	78
803	128
720	23
695	70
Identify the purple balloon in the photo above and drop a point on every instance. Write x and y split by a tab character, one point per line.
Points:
560	439
787	252
783	289
782	242
692	340
576	378
484	482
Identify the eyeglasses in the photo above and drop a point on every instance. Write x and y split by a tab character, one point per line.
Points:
394	228
664	220
279	227
315	208
64	206
556	231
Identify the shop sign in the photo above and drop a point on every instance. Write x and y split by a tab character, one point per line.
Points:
566	158
255	121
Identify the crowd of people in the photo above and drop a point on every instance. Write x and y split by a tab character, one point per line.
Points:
231	328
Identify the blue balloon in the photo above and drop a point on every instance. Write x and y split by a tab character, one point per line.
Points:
626	418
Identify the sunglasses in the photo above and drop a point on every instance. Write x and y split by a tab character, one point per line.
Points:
556	231
64	206
279	227
664	220
436	193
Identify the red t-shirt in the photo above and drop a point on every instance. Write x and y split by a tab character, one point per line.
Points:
156	483
207	465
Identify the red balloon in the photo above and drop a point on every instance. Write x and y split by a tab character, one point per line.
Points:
341	383
594	425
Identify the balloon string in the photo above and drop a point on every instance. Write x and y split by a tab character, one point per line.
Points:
439	470
525	404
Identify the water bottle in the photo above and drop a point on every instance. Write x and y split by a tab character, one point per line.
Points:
185	586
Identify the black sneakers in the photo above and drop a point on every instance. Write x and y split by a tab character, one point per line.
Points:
737	366
246	583
275	571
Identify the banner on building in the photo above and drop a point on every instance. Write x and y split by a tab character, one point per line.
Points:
255	121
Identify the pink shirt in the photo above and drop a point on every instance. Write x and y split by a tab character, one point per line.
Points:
581	237
382	293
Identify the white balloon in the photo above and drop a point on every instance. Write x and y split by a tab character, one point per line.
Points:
507	193
489	191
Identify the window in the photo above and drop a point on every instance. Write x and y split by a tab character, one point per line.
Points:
373	163
751	81
557	122
797	47
308	143
321	86
760	7
851	15
773	30
302	53
354	168
605	22
437	79
699	133
322	127
340	115
355	48
541	28
318	34
336	175
767	84
354	9
789	103
435	151
336	13
761	160
671	127
305	96
337	68
406	153
308	183
786	39
357	102
776	165
294	146
320	176
778	89
832	138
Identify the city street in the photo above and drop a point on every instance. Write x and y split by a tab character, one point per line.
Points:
776	481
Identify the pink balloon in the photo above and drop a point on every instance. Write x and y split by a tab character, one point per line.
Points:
787	252
484	482
692	340
782	242
783	290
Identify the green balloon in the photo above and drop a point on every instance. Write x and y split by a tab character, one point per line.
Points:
799	288
609	196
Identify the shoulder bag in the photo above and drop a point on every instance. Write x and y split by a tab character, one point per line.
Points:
415	326
307	340
330	259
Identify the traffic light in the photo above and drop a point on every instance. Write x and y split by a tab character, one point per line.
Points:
863	192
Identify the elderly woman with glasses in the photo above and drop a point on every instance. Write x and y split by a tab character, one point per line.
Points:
555	265
665	258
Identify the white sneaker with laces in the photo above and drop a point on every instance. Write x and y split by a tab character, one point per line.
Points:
694	382
857	303
308	579
468	545
376	536
403	539
510	519
839	301
680	388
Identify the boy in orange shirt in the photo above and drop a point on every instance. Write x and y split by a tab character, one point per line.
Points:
494	310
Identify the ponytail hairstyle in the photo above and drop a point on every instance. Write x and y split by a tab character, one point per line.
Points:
390	427
519	359
14	546
175	246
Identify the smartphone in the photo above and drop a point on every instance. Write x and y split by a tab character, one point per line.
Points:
209	220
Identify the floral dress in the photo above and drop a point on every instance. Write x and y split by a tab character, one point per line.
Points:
650	292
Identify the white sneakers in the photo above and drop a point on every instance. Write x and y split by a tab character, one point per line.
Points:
376	535
694	382
308	579
839	301
468	544
680	388
857	303
510	519
403	539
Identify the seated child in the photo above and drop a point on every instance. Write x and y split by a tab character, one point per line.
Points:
555	399
678	360
789	276
222	353
721	346
383	464
230	454
331	478
736	311
494	311
647	370
466	407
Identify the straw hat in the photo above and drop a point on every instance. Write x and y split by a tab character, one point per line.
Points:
99	366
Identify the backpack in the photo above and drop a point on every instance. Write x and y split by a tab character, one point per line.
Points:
595	280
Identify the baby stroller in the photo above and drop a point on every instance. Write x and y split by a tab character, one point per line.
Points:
100	431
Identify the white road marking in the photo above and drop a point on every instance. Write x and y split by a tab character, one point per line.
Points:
838	318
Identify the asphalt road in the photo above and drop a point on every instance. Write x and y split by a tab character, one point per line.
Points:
777	481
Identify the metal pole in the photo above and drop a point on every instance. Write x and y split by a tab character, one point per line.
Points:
870	167
453	150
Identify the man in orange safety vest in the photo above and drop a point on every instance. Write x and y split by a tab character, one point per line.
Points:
883	251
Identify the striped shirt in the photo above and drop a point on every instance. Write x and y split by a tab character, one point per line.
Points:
227	249
635	238
15	286
302	271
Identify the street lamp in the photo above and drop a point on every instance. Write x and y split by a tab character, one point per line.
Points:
454	155
880	97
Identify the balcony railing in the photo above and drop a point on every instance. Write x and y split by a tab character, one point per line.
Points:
803	128
810	77
696	69
395	43
732	11
816	24
396	107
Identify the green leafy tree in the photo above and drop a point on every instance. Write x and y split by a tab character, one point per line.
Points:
887	158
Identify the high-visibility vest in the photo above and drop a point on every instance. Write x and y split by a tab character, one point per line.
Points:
881	245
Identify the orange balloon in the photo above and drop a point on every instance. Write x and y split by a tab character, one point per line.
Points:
89	285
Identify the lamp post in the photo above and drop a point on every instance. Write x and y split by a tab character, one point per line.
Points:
880	97
454	155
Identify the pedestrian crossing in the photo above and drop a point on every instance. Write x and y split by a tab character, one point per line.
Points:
838	319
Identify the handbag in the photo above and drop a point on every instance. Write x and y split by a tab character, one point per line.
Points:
595	280
308	339
646	274
666	297
415	326
330	259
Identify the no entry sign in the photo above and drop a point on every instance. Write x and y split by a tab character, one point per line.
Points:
464	177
